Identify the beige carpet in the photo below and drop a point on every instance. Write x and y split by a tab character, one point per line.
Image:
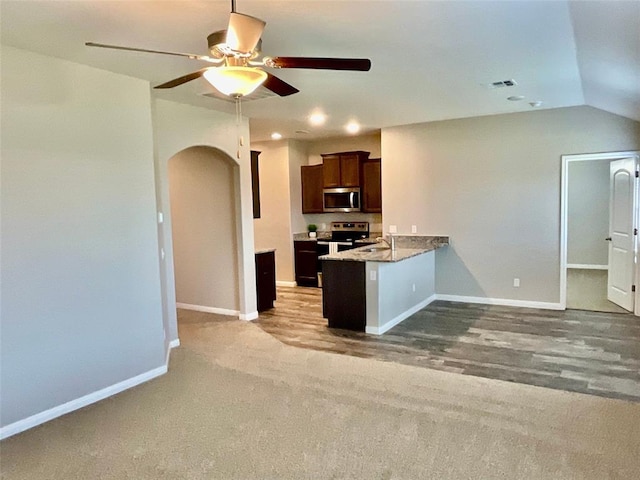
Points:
587	290
237	404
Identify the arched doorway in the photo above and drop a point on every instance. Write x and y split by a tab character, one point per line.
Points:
204	218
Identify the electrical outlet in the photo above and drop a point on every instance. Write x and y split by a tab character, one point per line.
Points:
516	282
414	229
393	229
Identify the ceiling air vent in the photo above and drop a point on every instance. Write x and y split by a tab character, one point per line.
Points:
503	83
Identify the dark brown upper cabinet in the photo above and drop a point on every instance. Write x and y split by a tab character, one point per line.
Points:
312	188
342	169
371	185
255	183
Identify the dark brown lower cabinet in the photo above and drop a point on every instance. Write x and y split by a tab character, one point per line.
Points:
306	263
344	301
265	280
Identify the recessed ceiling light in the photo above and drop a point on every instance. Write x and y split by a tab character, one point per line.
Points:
515	98
352	127
276	136
317	119
537	103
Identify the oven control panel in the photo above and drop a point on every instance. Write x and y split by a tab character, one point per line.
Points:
350	227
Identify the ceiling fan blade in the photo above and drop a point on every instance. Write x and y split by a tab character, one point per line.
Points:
357	64
278	86
177	54
184	79
244	32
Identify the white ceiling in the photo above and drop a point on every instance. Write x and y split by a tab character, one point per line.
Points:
431	60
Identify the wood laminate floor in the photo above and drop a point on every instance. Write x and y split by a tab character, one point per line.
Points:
590	352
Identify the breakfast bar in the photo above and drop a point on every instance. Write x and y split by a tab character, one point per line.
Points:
375	287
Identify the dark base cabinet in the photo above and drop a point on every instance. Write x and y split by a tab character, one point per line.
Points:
265	280
344	301
306	263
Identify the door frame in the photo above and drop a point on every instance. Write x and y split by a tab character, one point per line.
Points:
564	192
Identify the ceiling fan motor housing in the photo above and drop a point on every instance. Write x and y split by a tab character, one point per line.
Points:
219	48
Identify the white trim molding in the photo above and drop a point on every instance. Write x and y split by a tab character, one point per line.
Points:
507	302
396	320
248	316
172	344
283	283
586	266
55	412
201	308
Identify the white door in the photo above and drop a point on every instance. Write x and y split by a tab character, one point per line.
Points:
622	194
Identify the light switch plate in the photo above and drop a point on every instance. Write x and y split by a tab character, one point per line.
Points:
372	275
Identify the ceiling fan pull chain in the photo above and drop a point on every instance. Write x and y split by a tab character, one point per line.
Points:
238	121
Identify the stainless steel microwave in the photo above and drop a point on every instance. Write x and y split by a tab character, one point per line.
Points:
341	200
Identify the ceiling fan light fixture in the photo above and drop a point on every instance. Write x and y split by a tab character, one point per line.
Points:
235	81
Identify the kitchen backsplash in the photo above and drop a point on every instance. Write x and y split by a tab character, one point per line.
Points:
323	220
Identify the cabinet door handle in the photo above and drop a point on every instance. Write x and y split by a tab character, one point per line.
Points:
608	239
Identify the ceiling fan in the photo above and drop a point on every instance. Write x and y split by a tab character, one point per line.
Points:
235	54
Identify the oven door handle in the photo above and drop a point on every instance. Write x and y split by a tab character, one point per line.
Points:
322	243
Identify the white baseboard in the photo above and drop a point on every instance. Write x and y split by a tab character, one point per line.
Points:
172	344
500	301
38	418
586	266
220	311
282	283
396	320
248	316
200	308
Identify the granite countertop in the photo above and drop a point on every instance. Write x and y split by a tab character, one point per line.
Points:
258	251
305	236
407	246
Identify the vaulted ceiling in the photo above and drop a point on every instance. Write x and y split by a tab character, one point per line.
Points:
431	60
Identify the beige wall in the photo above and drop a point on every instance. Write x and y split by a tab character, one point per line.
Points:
176	128
588	212
368	143
493	184
298	156
79	275
273	228
203	213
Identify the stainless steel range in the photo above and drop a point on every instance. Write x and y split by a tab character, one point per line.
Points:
343	237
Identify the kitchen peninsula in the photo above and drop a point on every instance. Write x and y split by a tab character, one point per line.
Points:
373	288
